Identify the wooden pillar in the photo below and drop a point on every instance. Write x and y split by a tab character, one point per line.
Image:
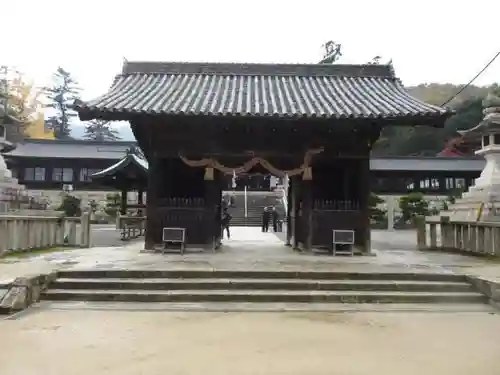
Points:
211	202
123	202
364	242
294	213
307	203
140	202
290	207
152	221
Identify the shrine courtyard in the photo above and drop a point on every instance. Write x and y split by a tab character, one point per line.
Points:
112	338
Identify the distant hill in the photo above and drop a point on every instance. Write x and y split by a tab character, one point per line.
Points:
425	141
439	93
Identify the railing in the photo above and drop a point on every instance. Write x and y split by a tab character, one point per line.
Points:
182	202
25	233
478	238
123	220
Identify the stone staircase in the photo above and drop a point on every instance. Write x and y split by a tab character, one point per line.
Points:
256	202
261	287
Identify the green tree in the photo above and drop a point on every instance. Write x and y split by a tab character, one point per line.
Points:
468	114
100	130
376	214
112	204
426	141
61	95
70	206
413	205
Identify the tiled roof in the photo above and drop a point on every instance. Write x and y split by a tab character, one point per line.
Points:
123	163
441	164
71	149
257	90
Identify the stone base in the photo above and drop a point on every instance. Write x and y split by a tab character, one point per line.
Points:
5	185
474	210
10	183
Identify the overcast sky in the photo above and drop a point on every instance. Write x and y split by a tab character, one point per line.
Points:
428	40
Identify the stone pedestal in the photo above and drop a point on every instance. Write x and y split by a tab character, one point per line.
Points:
482	201
7	183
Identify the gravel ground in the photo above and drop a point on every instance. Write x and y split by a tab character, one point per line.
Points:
131	343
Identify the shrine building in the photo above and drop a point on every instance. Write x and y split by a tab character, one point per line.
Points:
314	124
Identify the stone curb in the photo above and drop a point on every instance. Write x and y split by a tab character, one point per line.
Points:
489	288
24	291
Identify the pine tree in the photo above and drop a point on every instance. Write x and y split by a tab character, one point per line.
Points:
61	96
100	130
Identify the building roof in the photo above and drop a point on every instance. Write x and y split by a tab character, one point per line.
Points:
79	149
438	164
71	149
127	160
259	90
414	164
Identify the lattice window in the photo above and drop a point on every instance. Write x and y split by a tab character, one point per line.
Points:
62	174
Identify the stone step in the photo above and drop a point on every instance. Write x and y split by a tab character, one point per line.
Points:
260	296
260	284
267	307
258	274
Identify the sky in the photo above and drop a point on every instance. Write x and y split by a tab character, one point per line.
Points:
428	41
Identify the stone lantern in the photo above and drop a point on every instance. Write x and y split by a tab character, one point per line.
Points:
482	201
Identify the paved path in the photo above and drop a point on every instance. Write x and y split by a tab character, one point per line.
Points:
105	235
251	249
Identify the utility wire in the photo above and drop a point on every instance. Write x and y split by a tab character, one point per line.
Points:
472	80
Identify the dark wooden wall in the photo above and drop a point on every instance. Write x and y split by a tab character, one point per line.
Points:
18	166
382	182
427	182
177	200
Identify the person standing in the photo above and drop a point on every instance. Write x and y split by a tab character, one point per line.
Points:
225	223
275	217
266	216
